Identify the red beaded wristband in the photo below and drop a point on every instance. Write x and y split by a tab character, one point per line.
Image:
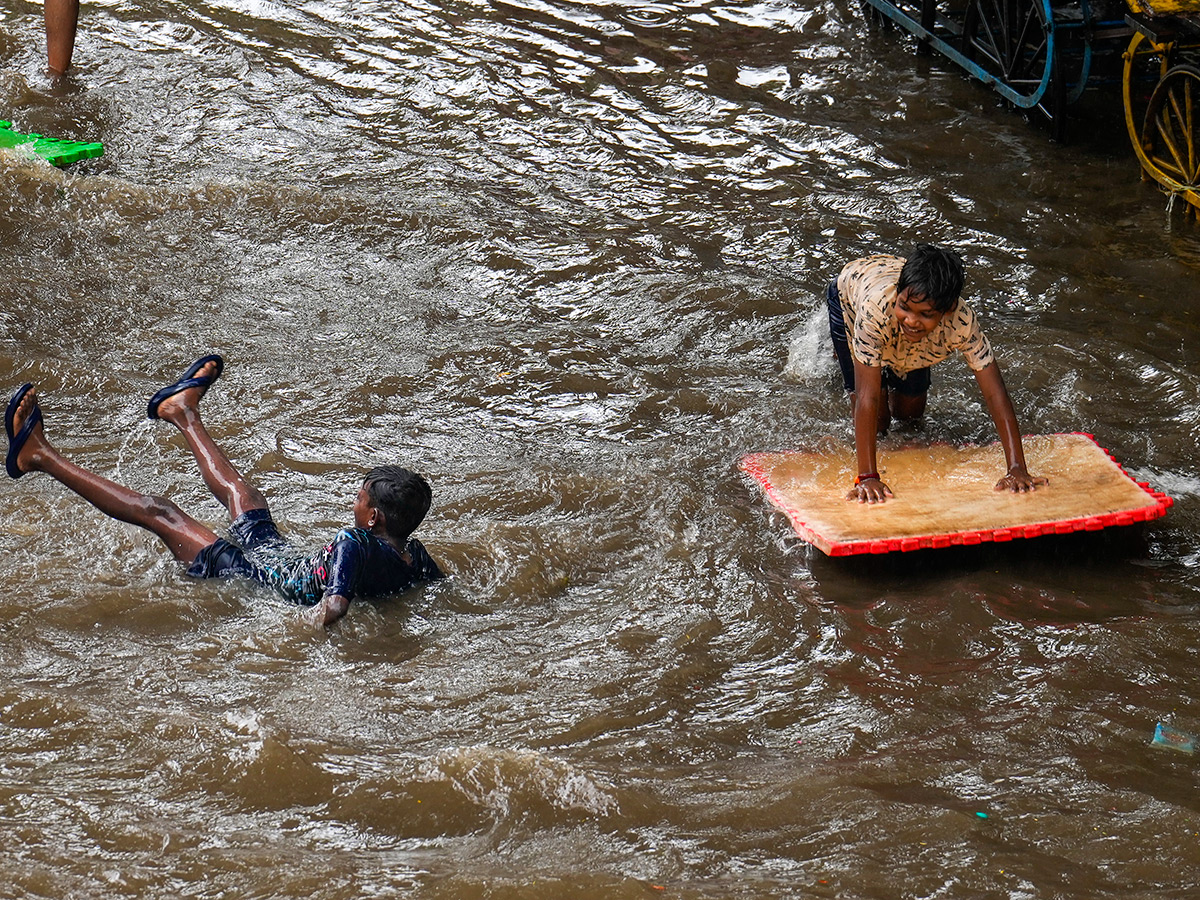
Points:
870	476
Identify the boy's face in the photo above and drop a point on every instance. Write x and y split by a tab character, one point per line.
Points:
364	513
915	315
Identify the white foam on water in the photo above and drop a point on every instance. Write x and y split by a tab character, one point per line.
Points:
502	779
810	349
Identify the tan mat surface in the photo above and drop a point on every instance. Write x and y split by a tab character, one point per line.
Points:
944	495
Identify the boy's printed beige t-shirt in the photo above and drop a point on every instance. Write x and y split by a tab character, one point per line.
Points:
868	291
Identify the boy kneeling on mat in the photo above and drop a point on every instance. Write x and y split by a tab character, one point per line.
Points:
375	557
890	320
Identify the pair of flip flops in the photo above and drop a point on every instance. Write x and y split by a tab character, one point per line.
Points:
16	441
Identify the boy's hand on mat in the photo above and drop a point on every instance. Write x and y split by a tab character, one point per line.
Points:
870	490
1020	481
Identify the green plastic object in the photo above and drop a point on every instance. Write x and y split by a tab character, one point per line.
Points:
52	150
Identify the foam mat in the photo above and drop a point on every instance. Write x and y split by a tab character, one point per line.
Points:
945	497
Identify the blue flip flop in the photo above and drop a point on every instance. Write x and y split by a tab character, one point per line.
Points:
187	380
17	441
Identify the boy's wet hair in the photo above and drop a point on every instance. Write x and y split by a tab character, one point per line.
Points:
401	495
935	273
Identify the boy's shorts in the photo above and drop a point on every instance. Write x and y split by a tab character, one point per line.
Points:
913	384
252	530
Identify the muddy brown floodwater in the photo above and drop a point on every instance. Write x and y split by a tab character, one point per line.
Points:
565	259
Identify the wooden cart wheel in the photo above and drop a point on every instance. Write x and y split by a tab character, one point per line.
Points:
1146	62
1014	41
1170	139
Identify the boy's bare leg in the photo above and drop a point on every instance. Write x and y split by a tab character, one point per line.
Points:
62	18
183	535
227	484
908	407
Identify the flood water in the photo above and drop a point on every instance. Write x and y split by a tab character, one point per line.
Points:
564	258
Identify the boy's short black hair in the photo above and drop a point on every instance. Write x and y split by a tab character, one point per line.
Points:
935	273
401	495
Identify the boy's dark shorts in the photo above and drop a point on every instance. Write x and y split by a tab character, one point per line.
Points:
252	530
914	384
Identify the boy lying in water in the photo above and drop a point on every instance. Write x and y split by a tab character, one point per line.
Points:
376	556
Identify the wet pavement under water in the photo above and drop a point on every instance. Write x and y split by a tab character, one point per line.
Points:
565	259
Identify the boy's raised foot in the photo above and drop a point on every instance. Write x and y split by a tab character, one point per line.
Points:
185	393
23	426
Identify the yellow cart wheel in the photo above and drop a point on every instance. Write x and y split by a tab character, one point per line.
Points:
1171	133
1146	61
